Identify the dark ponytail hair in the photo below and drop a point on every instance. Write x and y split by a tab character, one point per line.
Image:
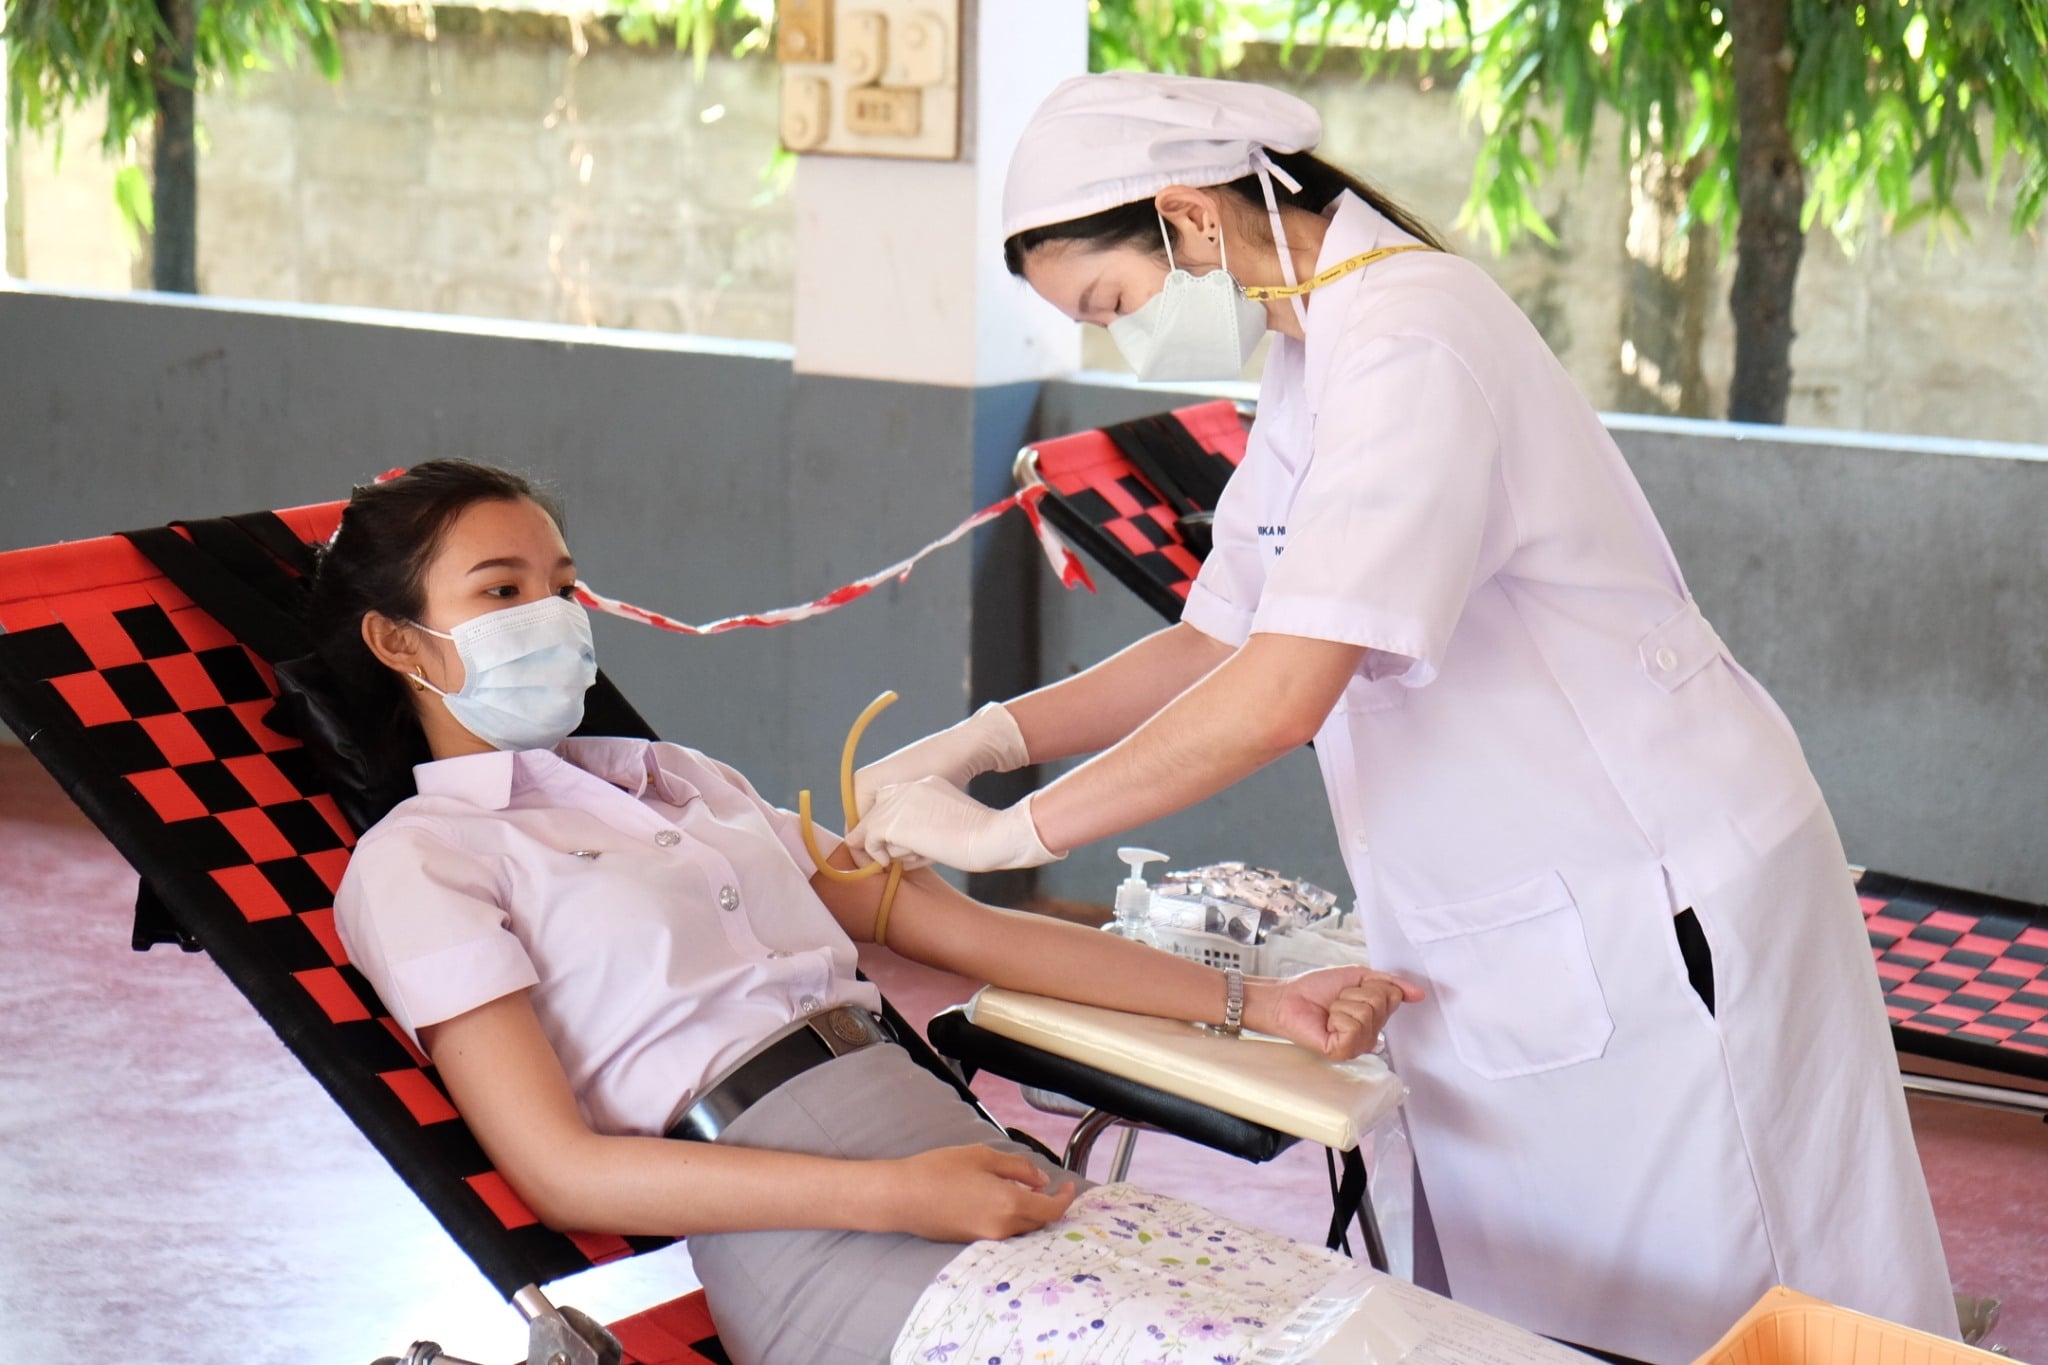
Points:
352	711
1139	223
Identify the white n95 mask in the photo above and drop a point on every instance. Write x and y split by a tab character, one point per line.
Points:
1197	327
524	672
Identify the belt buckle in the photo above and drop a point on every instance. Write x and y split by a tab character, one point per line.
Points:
845	1028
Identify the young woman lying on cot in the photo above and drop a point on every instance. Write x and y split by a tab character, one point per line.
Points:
603	941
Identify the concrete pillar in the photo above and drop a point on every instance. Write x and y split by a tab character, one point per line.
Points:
918	360
899	270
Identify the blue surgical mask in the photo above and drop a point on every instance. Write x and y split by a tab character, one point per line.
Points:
1197	327
524	672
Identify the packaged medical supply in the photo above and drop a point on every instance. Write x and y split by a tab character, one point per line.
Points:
1232	915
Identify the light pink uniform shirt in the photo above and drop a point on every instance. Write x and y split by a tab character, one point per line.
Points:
660	911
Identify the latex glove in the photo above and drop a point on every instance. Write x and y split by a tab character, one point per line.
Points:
986	742
1336	1011
932	818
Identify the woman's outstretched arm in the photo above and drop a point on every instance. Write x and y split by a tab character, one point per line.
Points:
509	1085
1337	1011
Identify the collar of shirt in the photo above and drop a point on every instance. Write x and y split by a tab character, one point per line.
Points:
1355	227
489	780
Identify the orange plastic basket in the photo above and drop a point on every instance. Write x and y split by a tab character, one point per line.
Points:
1789	1328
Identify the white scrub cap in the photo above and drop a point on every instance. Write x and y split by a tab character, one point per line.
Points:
1111	139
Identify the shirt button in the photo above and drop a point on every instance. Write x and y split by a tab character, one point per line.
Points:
809	1004
1667	659
777	954
1361	843
668	838
728	898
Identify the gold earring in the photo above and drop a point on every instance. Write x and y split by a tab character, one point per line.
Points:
419	684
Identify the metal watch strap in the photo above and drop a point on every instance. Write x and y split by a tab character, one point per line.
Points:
1233	1001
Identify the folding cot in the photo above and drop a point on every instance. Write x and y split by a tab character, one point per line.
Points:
156	718
142	671
118	672
1965	975
1965	979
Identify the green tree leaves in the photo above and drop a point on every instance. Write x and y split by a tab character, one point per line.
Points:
1878	105
66	54
1892	101
698	27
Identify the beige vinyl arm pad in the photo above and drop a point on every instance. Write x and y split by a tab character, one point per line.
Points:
1264	1080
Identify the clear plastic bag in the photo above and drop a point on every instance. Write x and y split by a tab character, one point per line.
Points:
1390	1181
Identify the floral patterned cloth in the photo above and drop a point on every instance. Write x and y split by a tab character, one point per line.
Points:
1132	1278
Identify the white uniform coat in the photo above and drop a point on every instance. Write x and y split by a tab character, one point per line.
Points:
1548	753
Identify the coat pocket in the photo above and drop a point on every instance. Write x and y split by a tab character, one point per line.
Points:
1514	978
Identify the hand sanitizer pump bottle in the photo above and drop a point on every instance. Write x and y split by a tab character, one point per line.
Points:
1134	897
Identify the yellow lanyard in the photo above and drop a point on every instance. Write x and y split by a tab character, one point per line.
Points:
1259	293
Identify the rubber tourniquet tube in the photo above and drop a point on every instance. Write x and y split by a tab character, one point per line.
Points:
810	829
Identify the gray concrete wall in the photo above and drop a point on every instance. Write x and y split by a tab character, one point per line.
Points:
701	478
491	170
1892	595
499	169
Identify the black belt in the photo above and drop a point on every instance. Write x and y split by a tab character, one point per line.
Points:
810	1041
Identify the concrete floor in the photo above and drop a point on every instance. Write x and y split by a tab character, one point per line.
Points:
173	1188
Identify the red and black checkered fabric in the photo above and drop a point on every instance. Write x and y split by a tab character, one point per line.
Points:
151	715
1965	975
678	1332
1109	510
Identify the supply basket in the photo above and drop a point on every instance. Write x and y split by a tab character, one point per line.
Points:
1251	918
1789	1328
1211	950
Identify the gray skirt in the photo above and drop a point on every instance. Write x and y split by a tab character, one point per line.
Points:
837	1298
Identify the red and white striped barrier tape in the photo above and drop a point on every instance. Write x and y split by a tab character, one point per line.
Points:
1064	562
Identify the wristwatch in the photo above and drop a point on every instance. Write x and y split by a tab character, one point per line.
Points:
1233	1001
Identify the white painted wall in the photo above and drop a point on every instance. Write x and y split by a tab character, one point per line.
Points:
899	263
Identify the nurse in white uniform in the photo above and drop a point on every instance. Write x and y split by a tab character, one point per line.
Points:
1652	1075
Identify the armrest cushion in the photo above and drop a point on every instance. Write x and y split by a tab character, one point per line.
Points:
1264	1080
977	1048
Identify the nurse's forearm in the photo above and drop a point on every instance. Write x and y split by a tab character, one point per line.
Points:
1268	699
1094	709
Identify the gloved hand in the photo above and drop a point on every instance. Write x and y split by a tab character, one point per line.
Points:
932	818
986	742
